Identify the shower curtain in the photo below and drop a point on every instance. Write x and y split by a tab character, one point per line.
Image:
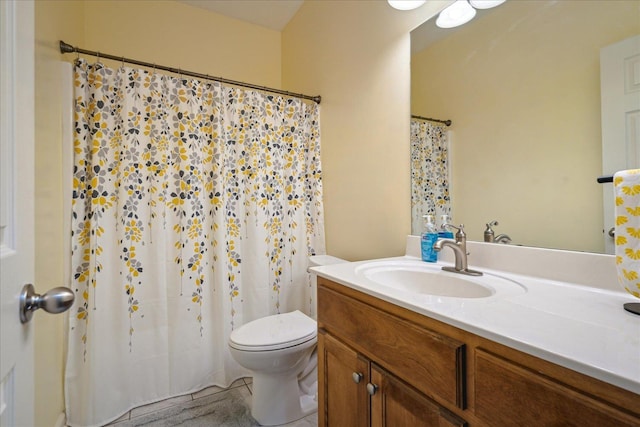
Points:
429	173
195	206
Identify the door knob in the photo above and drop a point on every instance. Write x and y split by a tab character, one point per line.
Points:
56	300
357	377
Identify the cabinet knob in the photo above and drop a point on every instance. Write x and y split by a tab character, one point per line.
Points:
357	377
372	388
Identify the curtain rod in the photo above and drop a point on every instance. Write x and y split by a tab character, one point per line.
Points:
67	48
446	122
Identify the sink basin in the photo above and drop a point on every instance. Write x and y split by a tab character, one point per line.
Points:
421	278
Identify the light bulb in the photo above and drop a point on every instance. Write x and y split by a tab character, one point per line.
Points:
406	4
486	4
457	14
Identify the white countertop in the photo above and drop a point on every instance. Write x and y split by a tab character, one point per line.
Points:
580	327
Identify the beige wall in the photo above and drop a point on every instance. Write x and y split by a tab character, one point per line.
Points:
163	32
53	21
356	55
186	37
526	137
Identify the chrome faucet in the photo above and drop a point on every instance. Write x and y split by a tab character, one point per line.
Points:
490	237
459	247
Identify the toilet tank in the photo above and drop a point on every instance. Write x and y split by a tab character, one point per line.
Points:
317	261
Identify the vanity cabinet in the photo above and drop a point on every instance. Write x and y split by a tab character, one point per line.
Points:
358	393
357	390
383	365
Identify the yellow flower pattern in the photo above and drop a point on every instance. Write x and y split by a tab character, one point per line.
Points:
209	171
429	173
627	201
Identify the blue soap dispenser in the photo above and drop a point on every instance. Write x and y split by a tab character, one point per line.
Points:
428	239
444	232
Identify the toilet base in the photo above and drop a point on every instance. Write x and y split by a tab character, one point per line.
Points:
278	399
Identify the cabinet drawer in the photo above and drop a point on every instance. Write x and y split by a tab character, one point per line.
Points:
430	362
507	394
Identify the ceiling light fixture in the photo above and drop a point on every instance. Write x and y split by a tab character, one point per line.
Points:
486	4
462	11
406	4
455	15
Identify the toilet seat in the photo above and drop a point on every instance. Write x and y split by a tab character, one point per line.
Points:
274	332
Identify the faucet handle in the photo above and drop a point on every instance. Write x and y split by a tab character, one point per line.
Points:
489	234
456	227
459	228
460	234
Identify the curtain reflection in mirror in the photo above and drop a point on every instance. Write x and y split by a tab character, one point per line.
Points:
429	172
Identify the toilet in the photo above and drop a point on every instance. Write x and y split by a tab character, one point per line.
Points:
280	350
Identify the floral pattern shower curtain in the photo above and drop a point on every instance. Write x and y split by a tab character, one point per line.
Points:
429	173
195	206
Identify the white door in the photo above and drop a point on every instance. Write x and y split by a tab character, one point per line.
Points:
16	209
620	93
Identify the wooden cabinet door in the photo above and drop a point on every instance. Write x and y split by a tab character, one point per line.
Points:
395	403
508	394
342	379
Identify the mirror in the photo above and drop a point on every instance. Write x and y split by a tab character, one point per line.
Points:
521	84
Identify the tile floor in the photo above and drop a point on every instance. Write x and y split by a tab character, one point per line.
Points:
213	406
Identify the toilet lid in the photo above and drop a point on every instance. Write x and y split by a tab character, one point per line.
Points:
274	332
